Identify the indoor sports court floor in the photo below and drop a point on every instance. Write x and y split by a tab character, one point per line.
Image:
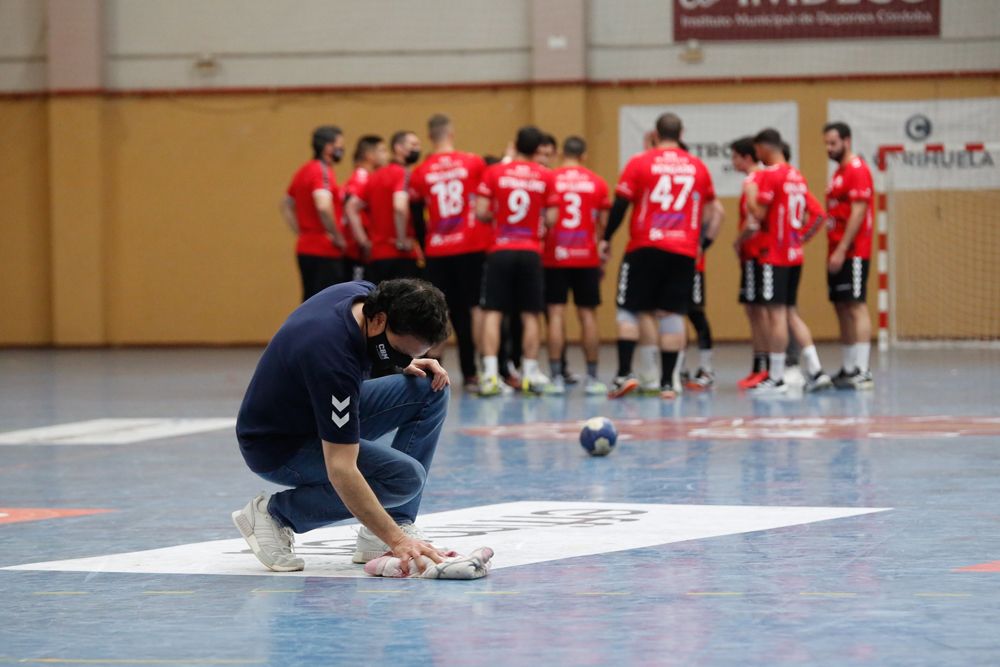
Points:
839	529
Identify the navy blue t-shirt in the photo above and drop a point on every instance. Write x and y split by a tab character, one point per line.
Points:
308	381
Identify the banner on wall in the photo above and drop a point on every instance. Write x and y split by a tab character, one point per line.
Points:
727	20
914	123
708	131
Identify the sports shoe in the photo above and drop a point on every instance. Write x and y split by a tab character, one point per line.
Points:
470	384
863	380
539	383
818	382
369	546
752	380
844	380
513	376
557	387
571	378
594	387
270	542
702	380
489	385
621	386
669	392
685	377
794	376
769	387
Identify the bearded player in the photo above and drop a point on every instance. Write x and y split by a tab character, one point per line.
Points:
849	243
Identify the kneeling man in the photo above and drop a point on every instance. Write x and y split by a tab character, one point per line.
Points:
311	416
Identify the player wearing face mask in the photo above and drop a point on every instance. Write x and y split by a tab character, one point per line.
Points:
309	210
312	418
394	248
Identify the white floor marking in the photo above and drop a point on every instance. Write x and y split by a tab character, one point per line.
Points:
113	431
521	533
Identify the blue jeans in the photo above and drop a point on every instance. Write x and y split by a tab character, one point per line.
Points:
396	474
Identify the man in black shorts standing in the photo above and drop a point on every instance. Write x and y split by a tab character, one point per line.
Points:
578	214
672	196
512	197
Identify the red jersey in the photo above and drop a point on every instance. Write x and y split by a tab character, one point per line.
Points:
352	188
313	237
751	247
519	191
668	188
447	183
378	194
851	182
785	192
580	196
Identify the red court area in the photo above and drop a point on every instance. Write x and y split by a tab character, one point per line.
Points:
761	428
982	567
19	514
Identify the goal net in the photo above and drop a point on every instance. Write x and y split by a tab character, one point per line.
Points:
939	216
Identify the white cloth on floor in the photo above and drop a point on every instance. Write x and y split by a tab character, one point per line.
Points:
454	566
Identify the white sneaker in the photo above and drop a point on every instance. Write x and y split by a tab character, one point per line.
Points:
819	382
794	377
769	387
370	547
555	388
594	387
270	542
539	383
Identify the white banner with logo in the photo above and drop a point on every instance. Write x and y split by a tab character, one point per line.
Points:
915	123
708	131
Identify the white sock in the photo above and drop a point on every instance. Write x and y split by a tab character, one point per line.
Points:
490	367
648	357
777	372
847	358
705	360
862	354
529	368
812	359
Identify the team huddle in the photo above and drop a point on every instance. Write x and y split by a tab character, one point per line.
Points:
507	240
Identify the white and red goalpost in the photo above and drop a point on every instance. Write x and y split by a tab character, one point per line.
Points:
934	195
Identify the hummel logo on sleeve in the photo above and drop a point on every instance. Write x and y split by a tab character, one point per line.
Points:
340	406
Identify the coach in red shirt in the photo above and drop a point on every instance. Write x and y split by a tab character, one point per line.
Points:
394	249
308	209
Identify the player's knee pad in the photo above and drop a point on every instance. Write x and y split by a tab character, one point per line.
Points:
626	317
671	324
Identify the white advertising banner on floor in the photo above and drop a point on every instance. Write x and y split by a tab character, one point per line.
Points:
521	533
708	131
916	123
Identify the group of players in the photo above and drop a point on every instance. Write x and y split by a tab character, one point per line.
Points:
506	240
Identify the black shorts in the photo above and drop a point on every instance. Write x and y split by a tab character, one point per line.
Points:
512	281
460	277
653	279
318	273
851	282
698	291
776	285
388	269
585	283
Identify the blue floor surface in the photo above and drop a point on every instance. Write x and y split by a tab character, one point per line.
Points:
885	588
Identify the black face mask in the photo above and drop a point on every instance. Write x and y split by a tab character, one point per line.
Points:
412	157
383	355
338	154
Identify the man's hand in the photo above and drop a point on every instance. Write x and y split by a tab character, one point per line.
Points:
421	367
836	261
408	549
338	241
404	244
603	250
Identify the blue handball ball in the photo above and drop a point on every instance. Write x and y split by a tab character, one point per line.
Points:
598	436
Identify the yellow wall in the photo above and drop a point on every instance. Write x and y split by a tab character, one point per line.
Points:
25	288
191	244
